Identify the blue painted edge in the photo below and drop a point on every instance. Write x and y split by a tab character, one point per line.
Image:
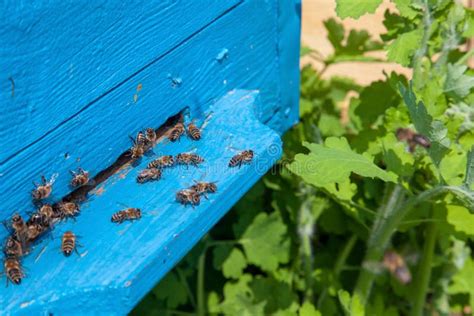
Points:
289	28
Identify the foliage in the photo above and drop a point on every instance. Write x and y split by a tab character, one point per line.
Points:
309	238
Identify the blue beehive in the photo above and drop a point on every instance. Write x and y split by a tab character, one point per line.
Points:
78	78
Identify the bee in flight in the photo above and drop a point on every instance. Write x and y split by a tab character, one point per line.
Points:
150	136
43	190
176	132
127	214
79	178
189	159
69	243
397	266
413	139
162	162
188	196
204	187
13	271
67	209
150	174
194	132
245	157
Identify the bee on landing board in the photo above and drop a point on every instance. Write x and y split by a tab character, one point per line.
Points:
162	162
46	210
79	178
129	214
13	271
138	148
34	231
150	174
150	136
188	196
194	132
43	190
397	266
245	157
176	132
204	188
189	159
13	248
413	139
67	209
19	228
69	243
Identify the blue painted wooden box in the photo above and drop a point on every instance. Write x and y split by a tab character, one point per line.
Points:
77	78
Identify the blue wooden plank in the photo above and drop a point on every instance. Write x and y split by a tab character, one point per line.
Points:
120	263
100	133
62	55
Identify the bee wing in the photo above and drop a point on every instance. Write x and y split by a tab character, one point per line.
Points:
53	178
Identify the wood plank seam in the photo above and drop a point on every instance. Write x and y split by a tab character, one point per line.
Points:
91	103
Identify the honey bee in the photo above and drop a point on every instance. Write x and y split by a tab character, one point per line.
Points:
150	174
413	139
204	188
39	219
79	178
194	132
43	190
397	266
162	162
19	227
189	159
244	157
13	248
68	243
150	136
176	132
34	230
127	214
13	270
138	148
188	196
47	211
68	209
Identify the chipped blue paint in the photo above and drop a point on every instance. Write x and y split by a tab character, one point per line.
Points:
79	93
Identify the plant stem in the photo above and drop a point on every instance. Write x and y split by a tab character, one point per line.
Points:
424	270
183	280
305	231
201	304
388	219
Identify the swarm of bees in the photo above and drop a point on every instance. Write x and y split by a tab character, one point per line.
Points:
23	233
413	139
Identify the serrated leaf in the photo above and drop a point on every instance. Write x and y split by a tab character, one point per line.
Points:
265	242
405	8
461	219
352	306
234	265
457	84
396	157
335	33
171	290
424	124
463	281
278	295
404	46
239	299
308	309
334	162
355	9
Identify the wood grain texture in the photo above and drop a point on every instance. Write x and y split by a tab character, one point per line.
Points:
120	263
63	55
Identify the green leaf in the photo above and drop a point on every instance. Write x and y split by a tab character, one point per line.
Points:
171	290
405	8
330	125
396	157
469	31
457	84
239	299
352	306
424	124
305	50
461	219
335	33
355	9
463	281
308	309
265	242
219	254
334	162
402	49
278	295
234	264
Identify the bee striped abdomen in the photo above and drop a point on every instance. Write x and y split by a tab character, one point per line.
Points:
162	162
151	174
244	157
176	132
13	270
127	214
68	244
194	132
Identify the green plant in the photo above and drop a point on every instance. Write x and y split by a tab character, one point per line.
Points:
310	237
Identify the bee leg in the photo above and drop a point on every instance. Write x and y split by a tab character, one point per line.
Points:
205	196
43	179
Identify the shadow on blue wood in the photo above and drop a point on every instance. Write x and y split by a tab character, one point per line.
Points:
77	79
121	263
